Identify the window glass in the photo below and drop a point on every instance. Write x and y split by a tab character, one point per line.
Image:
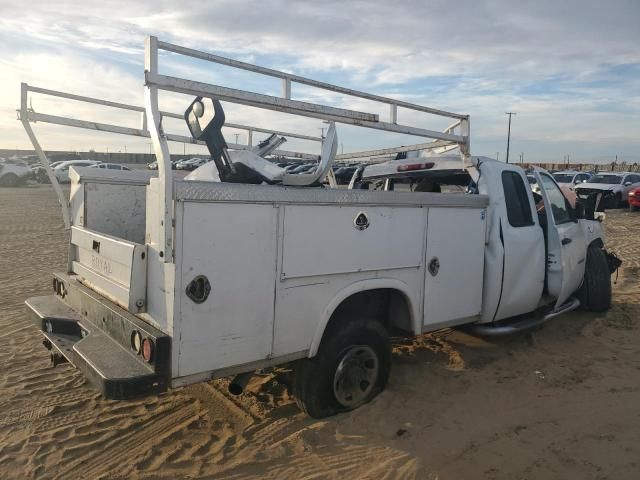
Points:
517	200
563	177
113	167
610	179
559	208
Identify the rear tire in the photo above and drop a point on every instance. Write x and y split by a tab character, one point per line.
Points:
620	203
351	367
595	292
9	180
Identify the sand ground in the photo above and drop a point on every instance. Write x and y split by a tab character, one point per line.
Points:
561	403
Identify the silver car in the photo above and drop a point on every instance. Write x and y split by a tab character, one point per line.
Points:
616	184
571	178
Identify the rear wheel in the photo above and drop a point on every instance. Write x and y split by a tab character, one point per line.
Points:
595	292
9	180
352	366
620	203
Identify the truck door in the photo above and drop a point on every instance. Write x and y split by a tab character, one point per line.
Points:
521	277
566	242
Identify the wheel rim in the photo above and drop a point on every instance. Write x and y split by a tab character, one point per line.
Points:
355	376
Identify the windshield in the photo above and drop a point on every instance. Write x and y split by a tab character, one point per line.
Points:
563	177
609	179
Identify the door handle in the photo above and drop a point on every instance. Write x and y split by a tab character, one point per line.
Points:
566	241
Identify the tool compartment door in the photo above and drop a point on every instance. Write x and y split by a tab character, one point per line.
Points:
454	265
234	247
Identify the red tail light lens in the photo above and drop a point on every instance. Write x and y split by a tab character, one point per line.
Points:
147	349
415	166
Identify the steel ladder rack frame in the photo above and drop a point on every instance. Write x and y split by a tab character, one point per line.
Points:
27	115
154	82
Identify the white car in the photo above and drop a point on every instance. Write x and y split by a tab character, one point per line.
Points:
12	172
40	173
571	178
616	184
191	164
110	166
61	171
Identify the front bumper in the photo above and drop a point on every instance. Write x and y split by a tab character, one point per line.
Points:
95	335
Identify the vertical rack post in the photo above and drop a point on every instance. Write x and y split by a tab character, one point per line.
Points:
165	176
24	118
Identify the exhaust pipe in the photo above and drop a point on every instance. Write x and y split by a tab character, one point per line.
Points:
239	382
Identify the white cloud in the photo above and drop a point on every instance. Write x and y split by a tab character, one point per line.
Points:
472	57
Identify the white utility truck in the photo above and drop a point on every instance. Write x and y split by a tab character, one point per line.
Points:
243	266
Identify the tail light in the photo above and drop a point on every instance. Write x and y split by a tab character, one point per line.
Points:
415	166
147	350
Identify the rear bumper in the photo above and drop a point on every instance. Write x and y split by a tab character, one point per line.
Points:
95	336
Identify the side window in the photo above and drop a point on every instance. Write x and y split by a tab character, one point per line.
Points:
113	167
559	205
517	200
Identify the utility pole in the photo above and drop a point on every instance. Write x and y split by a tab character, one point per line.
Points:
237	135
498	156
509	132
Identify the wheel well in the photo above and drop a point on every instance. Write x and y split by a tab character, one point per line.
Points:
597	243
388	306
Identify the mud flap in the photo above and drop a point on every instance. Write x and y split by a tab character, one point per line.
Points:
613	262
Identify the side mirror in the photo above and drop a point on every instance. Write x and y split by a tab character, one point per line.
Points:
626	184
599	216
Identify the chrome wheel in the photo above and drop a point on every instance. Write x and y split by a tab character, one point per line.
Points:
355	376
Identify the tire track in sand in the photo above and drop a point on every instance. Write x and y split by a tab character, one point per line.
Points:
136	440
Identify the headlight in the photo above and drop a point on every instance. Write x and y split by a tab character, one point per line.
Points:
632	194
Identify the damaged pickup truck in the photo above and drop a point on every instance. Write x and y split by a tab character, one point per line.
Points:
172	282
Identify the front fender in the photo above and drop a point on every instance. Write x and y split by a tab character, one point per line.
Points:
361	286
593	231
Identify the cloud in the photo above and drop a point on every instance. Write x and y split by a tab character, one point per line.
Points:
570	69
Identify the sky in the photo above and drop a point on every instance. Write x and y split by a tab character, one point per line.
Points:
569	69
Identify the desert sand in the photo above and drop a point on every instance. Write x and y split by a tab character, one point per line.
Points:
560	403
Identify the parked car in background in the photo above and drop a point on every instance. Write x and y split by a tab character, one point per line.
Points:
61	171
615	185
190	163
40	174
633	198
13	172
571	178
110	166
154	165
344	174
